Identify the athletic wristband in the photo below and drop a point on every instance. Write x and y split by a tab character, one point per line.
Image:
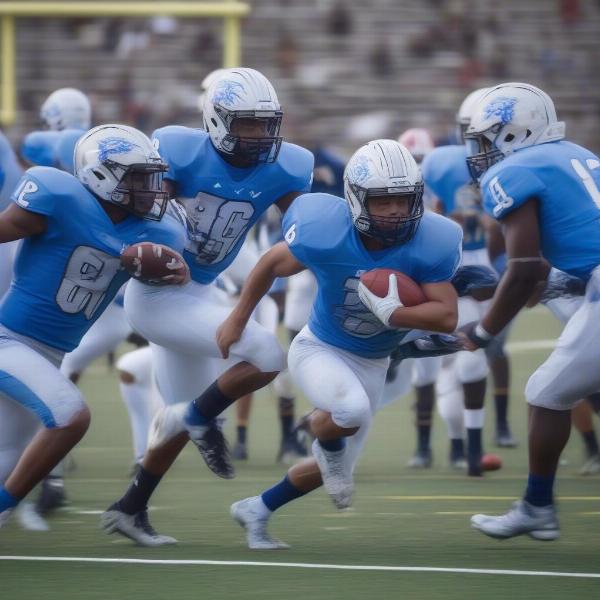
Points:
481	333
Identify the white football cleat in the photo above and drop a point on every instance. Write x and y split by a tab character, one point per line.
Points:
167	423
592	466
539	522
30	519
338	483
5	516
248	514
135	527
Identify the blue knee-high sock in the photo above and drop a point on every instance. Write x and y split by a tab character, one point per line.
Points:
7	500
281	493
333	445
539	490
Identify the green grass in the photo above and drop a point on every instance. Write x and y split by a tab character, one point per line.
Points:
392	523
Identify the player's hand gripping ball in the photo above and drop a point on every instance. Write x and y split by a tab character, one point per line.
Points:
409	292
382	291
155	264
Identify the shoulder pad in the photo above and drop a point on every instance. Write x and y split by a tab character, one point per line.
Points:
179	146
316	223
54	179
297	163
444	161
66	147
39	148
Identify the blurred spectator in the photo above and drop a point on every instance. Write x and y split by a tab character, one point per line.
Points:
381	58
339	21
286	54
134	39
570	11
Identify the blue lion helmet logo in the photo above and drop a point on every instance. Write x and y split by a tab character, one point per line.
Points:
114	145
503	107
360	170
227	92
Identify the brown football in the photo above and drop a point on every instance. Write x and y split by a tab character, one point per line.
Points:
410	292
153	263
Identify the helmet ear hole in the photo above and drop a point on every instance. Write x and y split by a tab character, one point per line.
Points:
99	175
509	137
214	122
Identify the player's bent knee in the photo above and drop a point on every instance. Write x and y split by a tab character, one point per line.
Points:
284	388
353	414
471	366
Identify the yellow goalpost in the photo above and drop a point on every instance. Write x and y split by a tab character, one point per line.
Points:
231	11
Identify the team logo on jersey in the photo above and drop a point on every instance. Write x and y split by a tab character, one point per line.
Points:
501	198
228	92
114	145
503	107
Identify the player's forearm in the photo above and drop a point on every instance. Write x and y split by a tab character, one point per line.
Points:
429	316
512	294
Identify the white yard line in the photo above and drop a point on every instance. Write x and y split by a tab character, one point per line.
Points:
291	565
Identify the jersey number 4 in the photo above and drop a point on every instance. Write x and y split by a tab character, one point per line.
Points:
87	277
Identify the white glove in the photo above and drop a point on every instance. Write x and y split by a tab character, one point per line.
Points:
382	308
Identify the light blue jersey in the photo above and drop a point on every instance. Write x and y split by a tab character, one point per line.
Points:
65	277
10	171
51	148
222	202
320	234
446	174
565	179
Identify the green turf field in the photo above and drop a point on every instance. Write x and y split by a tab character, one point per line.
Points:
401	518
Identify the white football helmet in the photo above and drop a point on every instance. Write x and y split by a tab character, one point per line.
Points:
463	116
419	142
508	118
206	83
246	96
380	168
66	108
119	164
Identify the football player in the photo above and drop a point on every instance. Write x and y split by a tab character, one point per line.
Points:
66	114
10	174
340	359
462	381
225	177
544	191
66	272
419	143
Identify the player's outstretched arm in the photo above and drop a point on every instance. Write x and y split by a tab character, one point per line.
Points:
17	223
277	262
525	269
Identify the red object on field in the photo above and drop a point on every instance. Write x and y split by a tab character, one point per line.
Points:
377	281
491	462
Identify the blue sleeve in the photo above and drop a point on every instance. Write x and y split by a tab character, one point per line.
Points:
508	188
39	148
32	192
65	148
445	256
297	229
298	164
